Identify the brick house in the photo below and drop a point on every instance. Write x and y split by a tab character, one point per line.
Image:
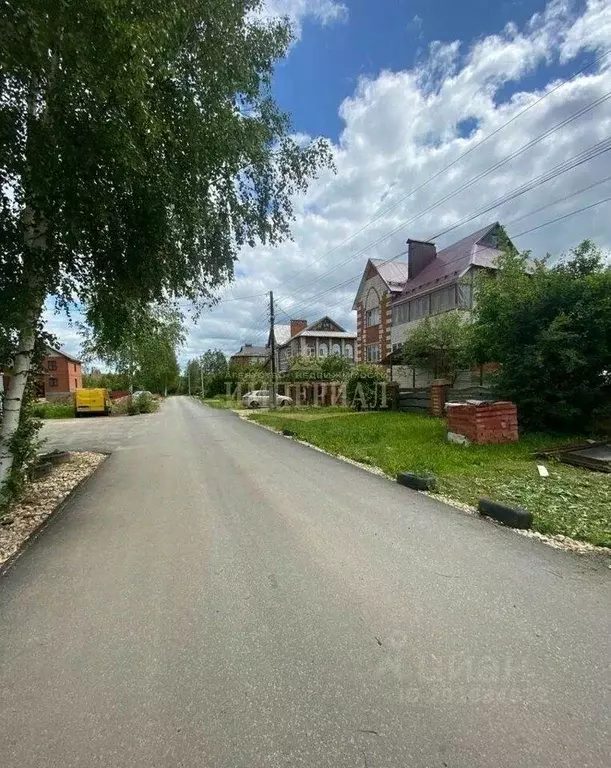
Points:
318	340
250	355
393	297
62	374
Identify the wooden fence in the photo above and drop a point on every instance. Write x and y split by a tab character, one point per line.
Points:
419	400
415	400
454	395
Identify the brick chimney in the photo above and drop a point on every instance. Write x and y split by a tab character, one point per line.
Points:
419	255
297	326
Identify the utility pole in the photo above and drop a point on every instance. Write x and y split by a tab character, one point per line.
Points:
273	348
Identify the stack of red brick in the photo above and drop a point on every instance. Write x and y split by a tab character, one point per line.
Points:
484	422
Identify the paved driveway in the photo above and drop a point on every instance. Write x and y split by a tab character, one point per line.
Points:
97	434
217	596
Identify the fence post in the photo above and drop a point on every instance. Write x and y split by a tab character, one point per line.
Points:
438	397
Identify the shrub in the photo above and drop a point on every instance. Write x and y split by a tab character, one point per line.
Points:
146	404
53	410
336	368
550	330
133	406
440	344
364	387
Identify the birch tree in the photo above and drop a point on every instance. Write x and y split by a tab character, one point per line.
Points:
140	149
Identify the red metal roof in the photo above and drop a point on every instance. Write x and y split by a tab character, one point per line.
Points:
453	261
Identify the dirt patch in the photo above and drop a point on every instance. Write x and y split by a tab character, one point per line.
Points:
41	499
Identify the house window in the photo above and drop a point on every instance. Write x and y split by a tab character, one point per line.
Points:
372	317
74	367
51	365
311	351
323	350
419	308
374	353
443	300
75	384
337	350
400	313
465	295
348	351
52	381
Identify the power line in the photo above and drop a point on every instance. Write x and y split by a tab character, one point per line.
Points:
466	185
568	165
240	298
451	164
559	200
565	216
594	151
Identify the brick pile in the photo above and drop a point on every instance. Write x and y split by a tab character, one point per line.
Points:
484	422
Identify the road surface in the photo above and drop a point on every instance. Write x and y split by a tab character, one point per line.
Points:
218	596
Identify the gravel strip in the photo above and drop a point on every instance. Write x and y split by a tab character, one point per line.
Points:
41	499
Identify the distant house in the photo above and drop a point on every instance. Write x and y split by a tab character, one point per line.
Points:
318	340
61	375
393	297
250	355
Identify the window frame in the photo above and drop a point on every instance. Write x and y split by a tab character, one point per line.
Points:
373	358
368	316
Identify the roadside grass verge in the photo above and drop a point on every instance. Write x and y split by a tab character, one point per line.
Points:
312	413
220	402
53	411
571	501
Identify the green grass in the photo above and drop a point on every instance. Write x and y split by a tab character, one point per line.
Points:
53	410
571	501
219	402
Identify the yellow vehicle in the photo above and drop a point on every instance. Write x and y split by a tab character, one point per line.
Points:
92	401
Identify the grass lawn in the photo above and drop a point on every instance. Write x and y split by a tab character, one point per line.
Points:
571	501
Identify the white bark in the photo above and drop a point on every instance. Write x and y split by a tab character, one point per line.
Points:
35	239
13	398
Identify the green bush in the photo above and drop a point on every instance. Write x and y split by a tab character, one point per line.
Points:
133	407
146	404
364	387
550	330
53	411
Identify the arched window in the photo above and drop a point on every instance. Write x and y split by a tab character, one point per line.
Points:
322	350
372	308
348	351
337	350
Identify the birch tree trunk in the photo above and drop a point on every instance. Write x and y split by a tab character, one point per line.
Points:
35	239
13	397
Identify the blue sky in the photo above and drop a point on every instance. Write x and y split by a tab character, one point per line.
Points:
324	68
402	89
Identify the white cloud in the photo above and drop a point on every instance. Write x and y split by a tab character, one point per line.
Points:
400	129
322	11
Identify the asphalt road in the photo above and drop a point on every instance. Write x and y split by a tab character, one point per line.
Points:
218	596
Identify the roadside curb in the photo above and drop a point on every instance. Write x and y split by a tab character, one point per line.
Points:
8	564
514	517
417	482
